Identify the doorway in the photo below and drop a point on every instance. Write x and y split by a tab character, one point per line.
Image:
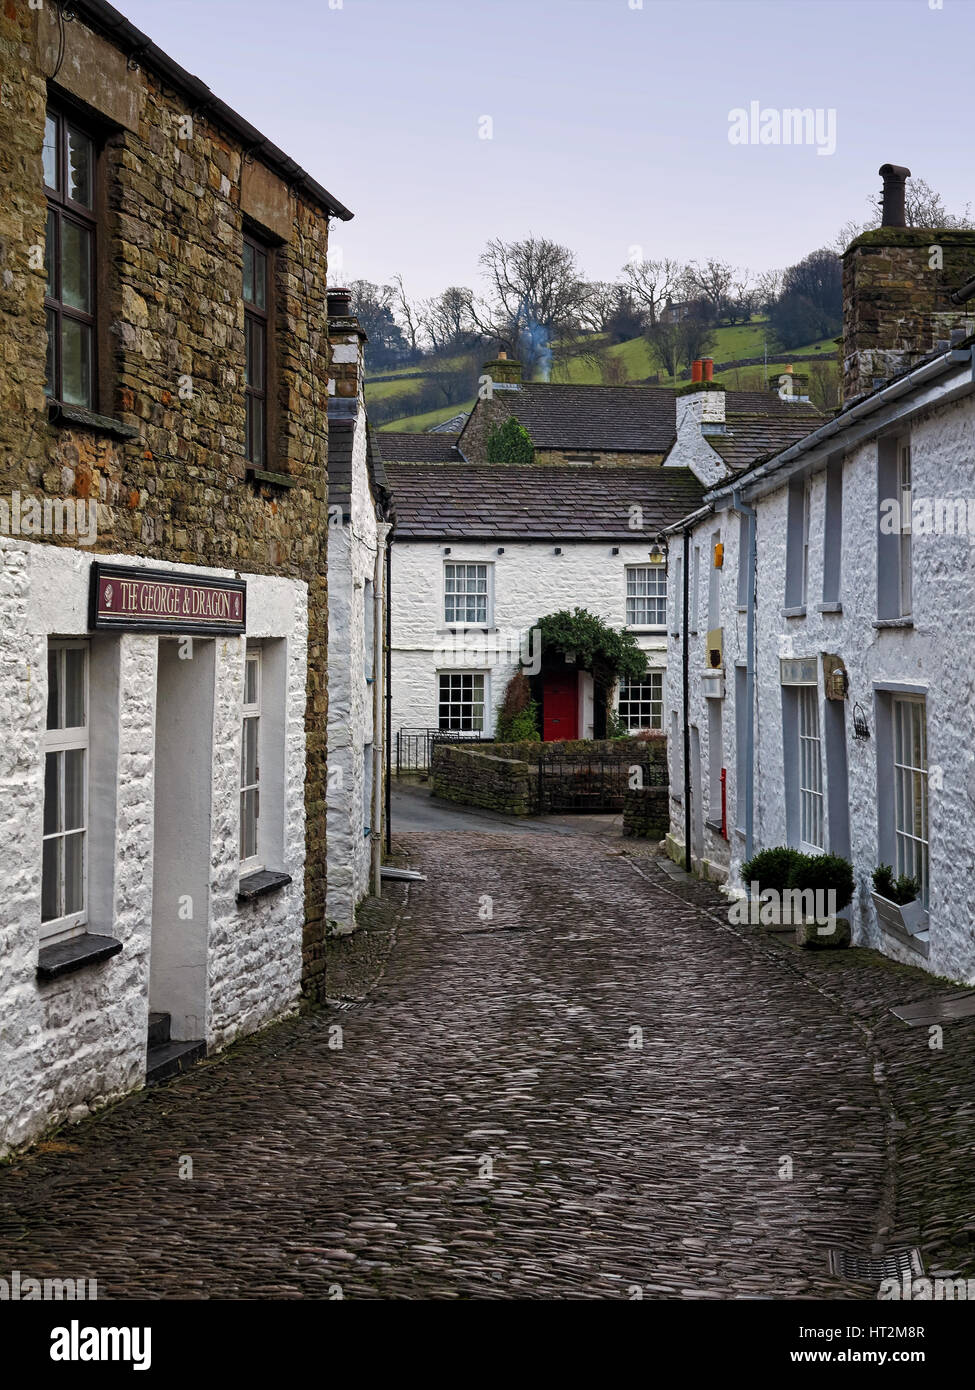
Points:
178	990
560	705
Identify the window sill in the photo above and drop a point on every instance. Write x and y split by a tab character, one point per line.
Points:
831	606
883	623
64	957
260	884
648	631
265	475
68	415
799	611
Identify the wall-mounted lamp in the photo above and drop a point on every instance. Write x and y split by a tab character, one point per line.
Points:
861	729
718	555
657	556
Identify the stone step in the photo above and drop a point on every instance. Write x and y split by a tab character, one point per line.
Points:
168	1059
158	1029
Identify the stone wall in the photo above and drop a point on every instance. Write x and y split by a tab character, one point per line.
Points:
169	477
495	783
646	812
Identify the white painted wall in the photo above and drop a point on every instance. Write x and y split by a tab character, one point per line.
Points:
353	740
78	1042
933	655
529	581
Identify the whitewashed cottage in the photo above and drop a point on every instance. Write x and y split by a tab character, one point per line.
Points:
830	611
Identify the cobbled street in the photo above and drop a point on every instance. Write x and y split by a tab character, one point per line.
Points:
491	1126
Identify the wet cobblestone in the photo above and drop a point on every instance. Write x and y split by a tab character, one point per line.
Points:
488	1129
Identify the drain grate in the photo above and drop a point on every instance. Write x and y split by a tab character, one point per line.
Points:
870	1269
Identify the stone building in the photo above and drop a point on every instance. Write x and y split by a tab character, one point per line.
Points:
843	722
360	520
163	595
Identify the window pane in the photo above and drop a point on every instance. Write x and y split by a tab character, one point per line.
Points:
53	689
75	266
52	794
248	824
51	881
248	273
250	681
51	151
254	444
74	873
260	280
248	754
51	255
79	168
50	367
75	362
254	332
74	789
74	688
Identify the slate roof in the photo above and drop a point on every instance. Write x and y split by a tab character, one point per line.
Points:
426	447
626	419
561	503
750	436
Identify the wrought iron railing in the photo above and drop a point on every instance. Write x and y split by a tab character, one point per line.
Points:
414	747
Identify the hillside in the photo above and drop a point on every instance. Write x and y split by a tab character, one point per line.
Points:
731	344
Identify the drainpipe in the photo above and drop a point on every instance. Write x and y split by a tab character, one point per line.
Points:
685	650
388	688
378	697
737	505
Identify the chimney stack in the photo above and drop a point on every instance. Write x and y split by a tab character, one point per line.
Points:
504	371
897	287
347	341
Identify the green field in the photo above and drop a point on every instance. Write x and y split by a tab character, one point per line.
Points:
743	340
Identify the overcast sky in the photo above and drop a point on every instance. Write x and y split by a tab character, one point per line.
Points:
610	118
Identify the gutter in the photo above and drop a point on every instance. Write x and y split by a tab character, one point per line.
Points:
751	516
141	49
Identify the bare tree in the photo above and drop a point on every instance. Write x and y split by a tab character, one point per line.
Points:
409	312
768	287
448	322
713	280
653	284
613	369
536	299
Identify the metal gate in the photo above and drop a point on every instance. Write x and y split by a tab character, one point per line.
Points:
414	747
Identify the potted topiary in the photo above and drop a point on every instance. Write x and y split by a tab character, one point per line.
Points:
768	872
900	909
829	878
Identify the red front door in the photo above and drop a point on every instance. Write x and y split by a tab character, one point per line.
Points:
560	706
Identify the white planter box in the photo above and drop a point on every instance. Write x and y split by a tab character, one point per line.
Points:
908	922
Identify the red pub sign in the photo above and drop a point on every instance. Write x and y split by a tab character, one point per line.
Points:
127	599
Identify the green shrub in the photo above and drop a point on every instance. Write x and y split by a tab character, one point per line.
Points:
509	443
518	716
827	873
593	642
771	868
900	890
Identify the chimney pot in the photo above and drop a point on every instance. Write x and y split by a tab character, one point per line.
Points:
697	369
339	303
895	177
502	355
708	365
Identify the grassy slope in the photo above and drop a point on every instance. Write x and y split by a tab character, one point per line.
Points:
744	340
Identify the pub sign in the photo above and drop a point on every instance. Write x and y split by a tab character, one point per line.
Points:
123	598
